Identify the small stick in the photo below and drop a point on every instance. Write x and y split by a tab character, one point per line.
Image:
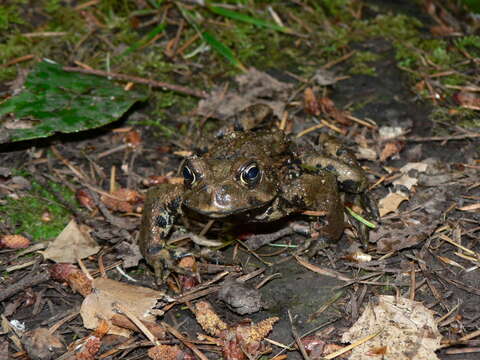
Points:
135	79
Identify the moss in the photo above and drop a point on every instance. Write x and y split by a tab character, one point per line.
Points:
463	117
10	14
362	63
25	213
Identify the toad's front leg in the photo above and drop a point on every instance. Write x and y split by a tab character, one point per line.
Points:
162	207
318	193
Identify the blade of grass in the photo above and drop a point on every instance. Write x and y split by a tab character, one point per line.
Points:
157	30
248	19
222	49
360	218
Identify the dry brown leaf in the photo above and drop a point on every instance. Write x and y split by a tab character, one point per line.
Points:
40	344
123	200
442	30
419	166
407	181
100	304
85	199
366	153
391	148
400	235
310	102
14	242
467	99
73	243
391	202
255	87
407	331
390	132
133	138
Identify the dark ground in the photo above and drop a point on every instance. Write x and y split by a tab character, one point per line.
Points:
447	186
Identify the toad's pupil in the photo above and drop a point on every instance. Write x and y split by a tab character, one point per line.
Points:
187	174
252	173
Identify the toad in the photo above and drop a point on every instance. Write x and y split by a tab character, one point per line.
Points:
251	176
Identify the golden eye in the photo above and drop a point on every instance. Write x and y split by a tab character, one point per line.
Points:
250	174
189	176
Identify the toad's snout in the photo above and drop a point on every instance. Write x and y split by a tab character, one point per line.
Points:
221	197
212	200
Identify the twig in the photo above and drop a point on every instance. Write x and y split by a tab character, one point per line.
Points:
443	138
30	280
184	340
298	341
135	79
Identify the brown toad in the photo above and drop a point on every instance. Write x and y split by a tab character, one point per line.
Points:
251	176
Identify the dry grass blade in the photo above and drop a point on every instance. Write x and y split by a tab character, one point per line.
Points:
321	271
351	346
185	341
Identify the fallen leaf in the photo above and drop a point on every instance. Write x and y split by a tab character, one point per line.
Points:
100	304
310	102
84	197
391	202
407	181
324	77
254	87
391	148
129	253
73	243
14	242
366	153
40	344
467	99
442	30
419	166
123	200
407	331
390	132
395	236
133	138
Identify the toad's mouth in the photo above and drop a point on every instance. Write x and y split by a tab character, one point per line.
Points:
245	213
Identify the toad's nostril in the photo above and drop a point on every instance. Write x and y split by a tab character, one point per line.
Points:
221	197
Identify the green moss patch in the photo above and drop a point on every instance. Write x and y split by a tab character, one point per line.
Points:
26	213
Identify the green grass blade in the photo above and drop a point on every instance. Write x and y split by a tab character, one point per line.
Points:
360	218
157	30
248	19
222	49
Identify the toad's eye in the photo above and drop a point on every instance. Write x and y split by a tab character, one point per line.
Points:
188	175
250	174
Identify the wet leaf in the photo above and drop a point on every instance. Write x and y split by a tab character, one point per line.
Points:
56	101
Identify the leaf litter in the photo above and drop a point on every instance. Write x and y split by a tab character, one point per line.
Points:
417	202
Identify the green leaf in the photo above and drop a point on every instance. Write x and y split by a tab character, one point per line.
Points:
248	19
222	49
56	101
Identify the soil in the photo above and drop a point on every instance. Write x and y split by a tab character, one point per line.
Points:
450	184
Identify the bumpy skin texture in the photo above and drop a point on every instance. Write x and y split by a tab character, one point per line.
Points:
254	176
